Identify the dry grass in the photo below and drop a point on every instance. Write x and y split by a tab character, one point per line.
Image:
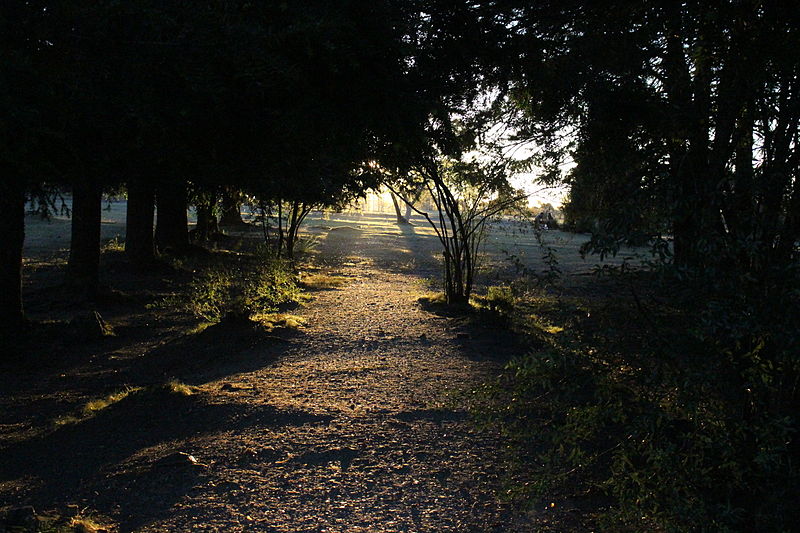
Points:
176	387
320	282
114	244
81	524
76	524
93	407
432	298
272	321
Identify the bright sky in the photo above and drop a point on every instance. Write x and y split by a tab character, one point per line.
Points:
528	181
539	194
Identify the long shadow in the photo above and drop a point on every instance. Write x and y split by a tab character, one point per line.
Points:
393	247
218	351
230	347
419	247
76	461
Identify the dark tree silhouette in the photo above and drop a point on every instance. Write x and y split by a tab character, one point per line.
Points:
139	241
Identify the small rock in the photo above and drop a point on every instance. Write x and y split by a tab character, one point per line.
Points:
178	459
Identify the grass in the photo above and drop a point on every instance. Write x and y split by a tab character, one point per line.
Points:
77	524
432	299
93	407
84	524
80	523
272	321
114	244
176	387
321	282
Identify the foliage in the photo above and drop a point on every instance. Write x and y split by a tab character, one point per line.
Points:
240	290
528	277
680	412
681	118
288	218
498	299
467	194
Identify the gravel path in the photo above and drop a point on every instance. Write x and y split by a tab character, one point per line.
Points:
352	425
356	429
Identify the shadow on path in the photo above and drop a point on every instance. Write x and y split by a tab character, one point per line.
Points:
156	422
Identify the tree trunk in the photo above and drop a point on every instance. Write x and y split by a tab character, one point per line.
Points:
400	218
206	221
172	231
12	228
231	210
84	255
139	243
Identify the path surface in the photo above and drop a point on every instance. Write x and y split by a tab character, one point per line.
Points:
365	436
366	441
353	425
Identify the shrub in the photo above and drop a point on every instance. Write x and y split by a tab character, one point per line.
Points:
238	290
500	299
680	414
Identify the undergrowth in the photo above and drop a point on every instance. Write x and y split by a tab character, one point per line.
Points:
677	406
239	289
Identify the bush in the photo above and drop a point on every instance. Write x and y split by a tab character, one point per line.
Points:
239	290
500	299
685	415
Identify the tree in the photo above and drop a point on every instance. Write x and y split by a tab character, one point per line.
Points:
282	99
172	230
139	240
705	97
467	192
28	138
12	226
84	252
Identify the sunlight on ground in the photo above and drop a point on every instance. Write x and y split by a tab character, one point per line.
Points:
319	281
273	321
95	406
508	242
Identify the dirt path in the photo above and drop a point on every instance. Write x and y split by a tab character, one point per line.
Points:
363	435
364	440
349	426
